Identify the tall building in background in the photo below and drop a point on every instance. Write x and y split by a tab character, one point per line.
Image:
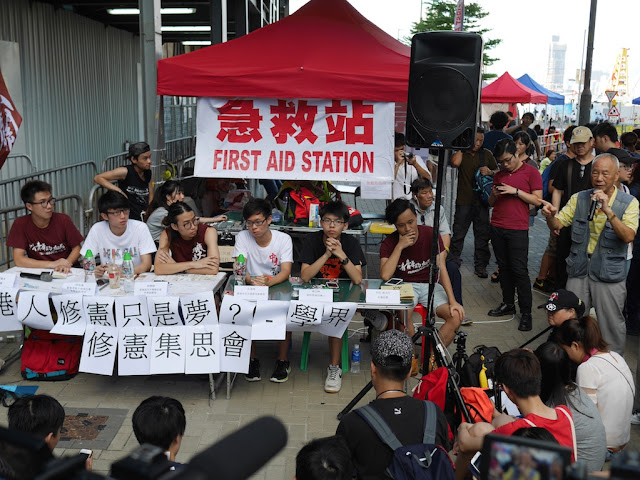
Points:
555	64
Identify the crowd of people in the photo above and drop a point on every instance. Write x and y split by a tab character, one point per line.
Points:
576	385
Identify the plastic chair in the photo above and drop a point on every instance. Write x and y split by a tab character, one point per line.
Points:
304	354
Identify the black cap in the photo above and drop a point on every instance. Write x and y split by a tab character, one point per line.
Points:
564	299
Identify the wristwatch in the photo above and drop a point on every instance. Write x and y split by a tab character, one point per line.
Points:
345	261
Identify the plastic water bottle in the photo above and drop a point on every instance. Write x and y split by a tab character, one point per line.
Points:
127	273
89	265
355	359
239	269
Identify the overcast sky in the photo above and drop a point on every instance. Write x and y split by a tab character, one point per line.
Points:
526	29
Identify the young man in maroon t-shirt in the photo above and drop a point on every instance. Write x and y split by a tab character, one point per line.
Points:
44	239
515	187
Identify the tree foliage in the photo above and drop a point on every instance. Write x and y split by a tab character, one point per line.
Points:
440	15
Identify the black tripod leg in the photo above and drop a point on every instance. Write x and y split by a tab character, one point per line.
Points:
355	400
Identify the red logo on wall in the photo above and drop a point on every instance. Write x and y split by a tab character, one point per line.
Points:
10	121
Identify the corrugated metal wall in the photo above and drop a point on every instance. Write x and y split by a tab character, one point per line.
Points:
79	83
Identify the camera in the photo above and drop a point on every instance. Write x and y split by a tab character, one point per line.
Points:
408	156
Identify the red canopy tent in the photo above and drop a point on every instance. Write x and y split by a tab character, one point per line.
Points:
326	49
507	89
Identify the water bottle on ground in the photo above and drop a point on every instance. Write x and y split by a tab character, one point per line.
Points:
127	272
355	359
89	265
240	269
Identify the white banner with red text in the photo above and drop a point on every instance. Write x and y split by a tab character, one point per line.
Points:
345	140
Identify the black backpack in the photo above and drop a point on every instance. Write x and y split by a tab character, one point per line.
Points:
412	462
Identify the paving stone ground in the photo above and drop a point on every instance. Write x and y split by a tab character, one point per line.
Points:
301	403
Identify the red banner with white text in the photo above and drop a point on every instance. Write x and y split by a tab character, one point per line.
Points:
10	121
347	140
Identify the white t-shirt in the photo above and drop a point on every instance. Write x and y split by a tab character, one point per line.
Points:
264	260
136	240
609	375
402	183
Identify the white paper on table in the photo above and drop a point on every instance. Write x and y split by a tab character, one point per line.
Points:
9	319
235	348
304	316
34	311
270	320
199	309
382	297
376	187
88	288
168	350
336	318
98	310
131	311
134	350
150	289
321	295
235	311
203	349
251	292
163	311
99	350
8	280
71	319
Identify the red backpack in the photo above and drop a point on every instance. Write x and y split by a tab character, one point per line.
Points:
47	356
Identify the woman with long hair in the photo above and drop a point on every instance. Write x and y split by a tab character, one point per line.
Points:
558	388
165	195
602	374
186	245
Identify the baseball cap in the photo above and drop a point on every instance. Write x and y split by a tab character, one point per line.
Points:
392	349
581	135
622	155
565	299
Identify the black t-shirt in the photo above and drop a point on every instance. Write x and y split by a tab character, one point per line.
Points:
580	178
314	248
405	417
137	191
532	133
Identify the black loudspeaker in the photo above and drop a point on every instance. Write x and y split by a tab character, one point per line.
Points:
444	89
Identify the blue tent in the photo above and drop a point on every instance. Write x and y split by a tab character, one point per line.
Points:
553	97
636	101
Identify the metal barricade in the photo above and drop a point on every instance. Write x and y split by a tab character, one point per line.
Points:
114	161
71	205
16	165
70	178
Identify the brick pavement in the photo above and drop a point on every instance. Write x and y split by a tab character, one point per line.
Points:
300	403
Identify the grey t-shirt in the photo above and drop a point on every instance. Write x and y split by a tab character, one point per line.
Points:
154	223
590	435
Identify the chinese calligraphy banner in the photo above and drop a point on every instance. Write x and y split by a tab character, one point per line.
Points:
270	320
199	309
33	310
71	319
168	350
99	350
134	351
9	310
336	318
10	121
203	349
295	139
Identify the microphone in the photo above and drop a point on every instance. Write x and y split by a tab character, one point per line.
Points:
592	208
240	454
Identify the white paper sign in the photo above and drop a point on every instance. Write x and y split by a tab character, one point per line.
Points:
88	288
251	292
34	311
270	320
304	315
71	319
235	347
9	310
131	311
383	297
163	311
199	309
168	350
151	289
203	349
99	350
376	187
99	311
235	311
316	295
134	351
8	279
336	318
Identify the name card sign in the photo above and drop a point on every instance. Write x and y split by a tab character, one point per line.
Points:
89	288
316	295
383	297
151	289
253	293
8	280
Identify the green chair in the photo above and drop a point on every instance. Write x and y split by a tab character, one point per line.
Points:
304	355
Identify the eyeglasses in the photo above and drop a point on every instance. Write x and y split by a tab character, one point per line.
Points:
193	222
119	212
582	169
257	223
328	221
503	162
43	203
